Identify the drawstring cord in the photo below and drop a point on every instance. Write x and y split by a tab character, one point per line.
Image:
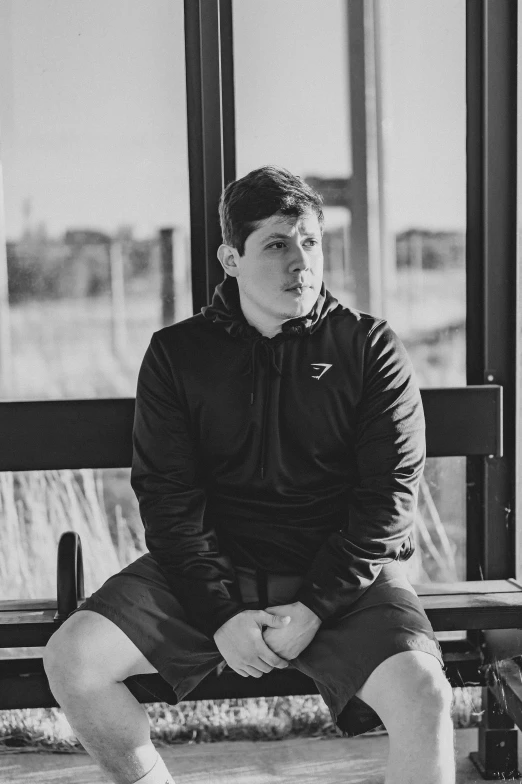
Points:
262	345
262	588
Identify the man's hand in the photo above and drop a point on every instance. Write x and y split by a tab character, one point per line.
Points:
290	640
240	642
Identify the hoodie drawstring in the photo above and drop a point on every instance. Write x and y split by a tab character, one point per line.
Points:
267	347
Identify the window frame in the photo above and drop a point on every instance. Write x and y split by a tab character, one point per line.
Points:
493	350
492	343
493	285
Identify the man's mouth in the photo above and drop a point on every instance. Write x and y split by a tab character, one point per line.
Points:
298	287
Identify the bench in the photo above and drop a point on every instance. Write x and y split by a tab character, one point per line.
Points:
73	434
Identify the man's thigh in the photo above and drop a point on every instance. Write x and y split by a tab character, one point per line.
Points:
139	602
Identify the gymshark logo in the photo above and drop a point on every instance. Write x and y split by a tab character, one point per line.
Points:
318	366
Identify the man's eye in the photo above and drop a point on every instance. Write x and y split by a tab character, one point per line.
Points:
279	244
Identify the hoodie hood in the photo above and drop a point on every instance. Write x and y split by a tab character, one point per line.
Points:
225	310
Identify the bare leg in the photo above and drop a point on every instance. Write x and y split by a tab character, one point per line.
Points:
85	661
410	693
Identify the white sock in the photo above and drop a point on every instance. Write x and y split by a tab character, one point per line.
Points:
157	775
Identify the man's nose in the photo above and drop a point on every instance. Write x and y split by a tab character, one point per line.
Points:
300	260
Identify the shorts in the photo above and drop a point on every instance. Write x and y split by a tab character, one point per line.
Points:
387	619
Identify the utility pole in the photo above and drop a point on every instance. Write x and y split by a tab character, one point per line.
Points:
175	301
6	360
118	323
370	249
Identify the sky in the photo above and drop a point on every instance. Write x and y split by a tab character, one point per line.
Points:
93	118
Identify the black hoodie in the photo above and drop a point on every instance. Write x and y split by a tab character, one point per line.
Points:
297	454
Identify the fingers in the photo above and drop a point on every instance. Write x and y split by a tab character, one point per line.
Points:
283	665
248	670
254	671
261	666
275	621
271	657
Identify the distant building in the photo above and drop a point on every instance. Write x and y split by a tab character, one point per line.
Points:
423	249
81	237
76	265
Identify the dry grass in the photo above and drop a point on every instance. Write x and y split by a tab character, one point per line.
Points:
207	721
35	509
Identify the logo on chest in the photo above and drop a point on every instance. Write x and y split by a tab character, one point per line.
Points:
323	367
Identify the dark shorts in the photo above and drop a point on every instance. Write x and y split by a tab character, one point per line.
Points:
387	619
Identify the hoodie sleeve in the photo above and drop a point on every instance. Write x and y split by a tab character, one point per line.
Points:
390	456
172	501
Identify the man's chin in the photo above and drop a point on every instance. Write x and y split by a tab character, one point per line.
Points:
302	306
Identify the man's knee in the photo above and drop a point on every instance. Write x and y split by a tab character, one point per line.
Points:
432	693
70	657
409	690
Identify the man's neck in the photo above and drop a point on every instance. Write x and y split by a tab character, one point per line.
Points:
268	331
267	326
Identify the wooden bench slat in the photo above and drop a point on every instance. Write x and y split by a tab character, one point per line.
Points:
468	587
97	433
486	604
22	605
19	617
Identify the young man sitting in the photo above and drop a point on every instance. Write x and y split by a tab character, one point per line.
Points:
278	448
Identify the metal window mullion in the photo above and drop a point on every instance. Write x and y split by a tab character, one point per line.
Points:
518	326
213	137
491	271
227	91
475	510
209	76
195	151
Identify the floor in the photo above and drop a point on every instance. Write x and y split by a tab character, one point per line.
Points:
301	761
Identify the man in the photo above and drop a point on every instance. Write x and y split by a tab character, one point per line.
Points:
278	446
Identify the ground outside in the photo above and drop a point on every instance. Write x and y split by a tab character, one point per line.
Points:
296	761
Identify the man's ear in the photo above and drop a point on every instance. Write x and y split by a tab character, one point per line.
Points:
228	256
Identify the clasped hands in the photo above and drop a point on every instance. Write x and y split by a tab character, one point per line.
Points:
253	642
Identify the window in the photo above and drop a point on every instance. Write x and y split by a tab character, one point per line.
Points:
296	106
94	153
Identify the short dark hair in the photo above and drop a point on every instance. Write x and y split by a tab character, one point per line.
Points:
259	195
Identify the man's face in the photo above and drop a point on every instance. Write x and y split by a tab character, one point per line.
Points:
281	271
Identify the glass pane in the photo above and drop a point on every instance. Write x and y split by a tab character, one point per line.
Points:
38	506
440	534
297	111
94	154
295	108
424	108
